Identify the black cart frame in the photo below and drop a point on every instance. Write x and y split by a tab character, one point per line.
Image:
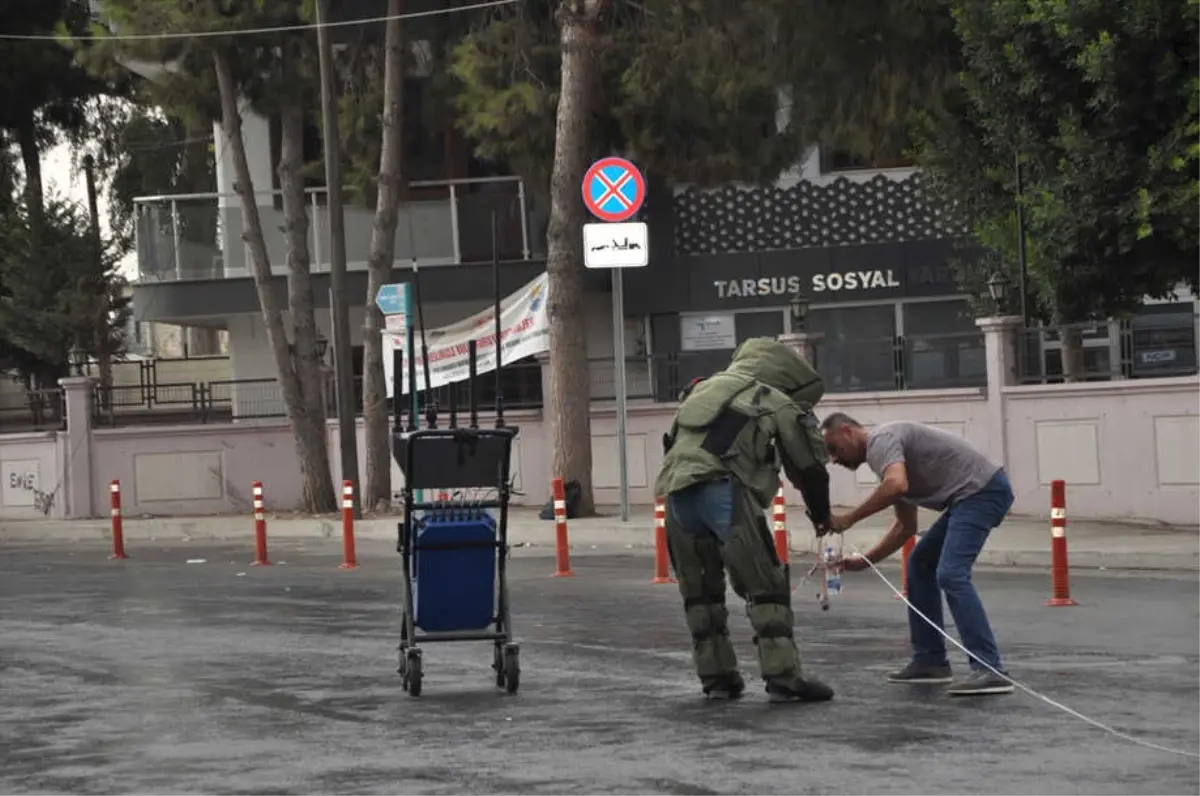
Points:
445	459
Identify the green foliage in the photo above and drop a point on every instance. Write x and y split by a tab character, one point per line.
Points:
1100	100
186	88
151	153
43	85
691	88
54	294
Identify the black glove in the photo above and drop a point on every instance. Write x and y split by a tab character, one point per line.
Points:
814	488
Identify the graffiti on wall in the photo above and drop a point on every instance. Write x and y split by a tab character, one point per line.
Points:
21	486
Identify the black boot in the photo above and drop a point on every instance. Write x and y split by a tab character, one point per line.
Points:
729	686
798	690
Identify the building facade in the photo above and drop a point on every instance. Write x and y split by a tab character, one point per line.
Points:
856	240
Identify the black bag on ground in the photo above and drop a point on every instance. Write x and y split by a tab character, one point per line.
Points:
573	494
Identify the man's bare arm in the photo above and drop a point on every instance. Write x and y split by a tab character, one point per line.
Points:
903	527
893	486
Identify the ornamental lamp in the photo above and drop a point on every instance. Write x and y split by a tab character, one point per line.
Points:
799	307
78	358
997	287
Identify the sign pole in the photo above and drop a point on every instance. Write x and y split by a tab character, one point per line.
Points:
618	302
613	191
411	345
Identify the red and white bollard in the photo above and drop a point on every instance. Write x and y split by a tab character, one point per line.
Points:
260	528
662	556
1058	545
118	528
350	560
561	549
779	527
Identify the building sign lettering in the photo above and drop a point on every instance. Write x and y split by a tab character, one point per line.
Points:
821	283
854	280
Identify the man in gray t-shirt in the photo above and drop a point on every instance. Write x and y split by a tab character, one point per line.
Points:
942	468
919	465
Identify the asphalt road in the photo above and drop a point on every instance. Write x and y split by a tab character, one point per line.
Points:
154	675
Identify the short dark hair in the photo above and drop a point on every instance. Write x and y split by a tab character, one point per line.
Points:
838	419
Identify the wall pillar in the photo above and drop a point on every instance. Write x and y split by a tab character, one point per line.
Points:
803	343
77	471
1000	345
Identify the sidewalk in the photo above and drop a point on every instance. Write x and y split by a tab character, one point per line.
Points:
1020	541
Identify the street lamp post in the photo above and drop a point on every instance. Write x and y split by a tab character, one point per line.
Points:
799	307
78	358
997	286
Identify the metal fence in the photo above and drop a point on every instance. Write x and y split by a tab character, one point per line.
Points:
1147	346
1125	350
198	236
34	410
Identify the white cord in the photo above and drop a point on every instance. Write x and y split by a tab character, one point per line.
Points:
1026	689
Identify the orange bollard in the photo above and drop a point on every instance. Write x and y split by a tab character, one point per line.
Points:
350	559
1058	545
562	551
905	552
118	528
260	528
779	525
661	555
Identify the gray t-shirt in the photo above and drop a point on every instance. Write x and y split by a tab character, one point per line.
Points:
942	467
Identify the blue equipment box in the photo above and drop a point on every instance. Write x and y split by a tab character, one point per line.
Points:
454	589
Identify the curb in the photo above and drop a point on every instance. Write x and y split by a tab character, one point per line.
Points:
585	541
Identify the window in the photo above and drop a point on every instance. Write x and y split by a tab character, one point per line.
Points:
942	346
758	324
855	347
833	159
675	368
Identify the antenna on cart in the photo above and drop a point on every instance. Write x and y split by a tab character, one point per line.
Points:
412	382
426	394
499	341
472	367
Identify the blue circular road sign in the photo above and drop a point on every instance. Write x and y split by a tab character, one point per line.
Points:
613	189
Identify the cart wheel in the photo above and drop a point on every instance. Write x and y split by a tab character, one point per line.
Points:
498	665
402	667
512	668
412	678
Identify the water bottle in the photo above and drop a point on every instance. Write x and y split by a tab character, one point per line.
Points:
833	580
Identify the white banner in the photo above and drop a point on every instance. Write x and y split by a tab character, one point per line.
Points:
524	328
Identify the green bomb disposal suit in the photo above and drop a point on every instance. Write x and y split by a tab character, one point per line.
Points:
731	435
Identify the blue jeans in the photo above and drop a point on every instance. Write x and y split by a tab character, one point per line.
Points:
704	507
941	563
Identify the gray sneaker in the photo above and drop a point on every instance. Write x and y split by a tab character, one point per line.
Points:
980	682
922	674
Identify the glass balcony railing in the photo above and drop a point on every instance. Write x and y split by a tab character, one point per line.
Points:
199	236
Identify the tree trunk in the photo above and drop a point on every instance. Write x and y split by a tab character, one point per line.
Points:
569	401
299	284
379	266
307	427
1071	339
31	157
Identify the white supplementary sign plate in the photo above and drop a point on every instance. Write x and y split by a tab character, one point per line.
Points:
616	245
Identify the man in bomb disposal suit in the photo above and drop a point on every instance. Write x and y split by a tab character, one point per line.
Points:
730	435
